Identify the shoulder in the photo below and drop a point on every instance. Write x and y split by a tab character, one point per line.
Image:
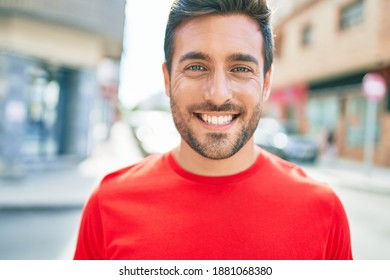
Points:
141	173
293	180
146	165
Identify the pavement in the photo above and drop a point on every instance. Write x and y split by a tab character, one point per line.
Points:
351	174
69	182
59	188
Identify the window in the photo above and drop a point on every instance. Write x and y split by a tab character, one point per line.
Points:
307	35
351	14
356	123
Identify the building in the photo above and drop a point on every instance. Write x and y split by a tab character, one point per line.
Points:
59	69
323	49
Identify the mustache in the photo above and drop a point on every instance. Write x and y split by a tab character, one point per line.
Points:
210	107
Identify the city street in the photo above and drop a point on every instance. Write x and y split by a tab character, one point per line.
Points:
50	233
369	215
40	234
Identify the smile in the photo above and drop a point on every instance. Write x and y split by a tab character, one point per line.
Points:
217	119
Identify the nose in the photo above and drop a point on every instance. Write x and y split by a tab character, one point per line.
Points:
217	88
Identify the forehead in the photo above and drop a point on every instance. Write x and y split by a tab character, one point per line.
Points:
219	35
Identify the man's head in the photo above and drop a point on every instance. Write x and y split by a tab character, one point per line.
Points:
183	10
218	72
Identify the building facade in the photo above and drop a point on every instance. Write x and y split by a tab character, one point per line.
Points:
324	48
59	66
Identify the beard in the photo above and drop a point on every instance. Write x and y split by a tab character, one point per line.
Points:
216	145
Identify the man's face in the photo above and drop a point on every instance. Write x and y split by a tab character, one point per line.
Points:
217	84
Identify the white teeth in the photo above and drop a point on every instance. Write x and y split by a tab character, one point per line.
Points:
217	120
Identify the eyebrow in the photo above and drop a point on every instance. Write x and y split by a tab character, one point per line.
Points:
233	57
194	55
243	57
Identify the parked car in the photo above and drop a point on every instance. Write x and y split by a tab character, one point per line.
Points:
273	137
302	149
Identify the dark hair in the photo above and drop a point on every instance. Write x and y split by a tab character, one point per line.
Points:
183	10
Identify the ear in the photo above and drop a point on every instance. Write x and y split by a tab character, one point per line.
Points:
166	79
267	84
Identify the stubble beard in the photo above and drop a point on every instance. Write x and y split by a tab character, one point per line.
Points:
217	145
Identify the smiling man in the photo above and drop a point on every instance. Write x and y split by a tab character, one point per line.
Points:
217	85
217	195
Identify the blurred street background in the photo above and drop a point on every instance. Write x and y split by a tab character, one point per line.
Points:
81	96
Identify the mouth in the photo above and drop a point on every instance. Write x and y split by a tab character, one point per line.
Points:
216	119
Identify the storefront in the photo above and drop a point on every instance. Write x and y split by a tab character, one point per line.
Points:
339	107
44	112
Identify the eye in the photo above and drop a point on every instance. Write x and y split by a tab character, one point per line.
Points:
196	68
241	69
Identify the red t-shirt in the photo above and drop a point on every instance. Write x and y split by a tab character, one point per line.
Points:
157	210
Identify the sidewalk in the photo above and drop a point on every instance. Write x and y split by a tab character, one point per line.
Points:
69	184
62	188
351	174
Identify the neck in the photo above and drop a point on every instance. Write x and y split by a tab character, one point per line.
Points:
195	163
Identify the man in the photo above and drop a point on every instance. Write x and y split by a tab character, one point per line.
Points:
217	195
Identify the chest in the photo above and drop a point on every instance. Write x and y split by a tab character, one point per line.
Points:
212	226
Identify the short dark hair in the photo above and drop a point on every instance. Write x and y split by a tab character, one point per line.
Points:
183	10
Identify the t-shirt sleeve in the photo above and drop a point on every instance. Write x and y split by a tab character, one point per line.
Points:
90	243
339	238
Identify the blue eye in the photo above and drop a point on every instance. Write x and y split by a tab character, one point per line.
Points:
196	68
241	69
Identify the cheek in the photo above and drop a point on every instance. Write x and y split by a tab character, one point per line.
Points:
249	91
186	91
